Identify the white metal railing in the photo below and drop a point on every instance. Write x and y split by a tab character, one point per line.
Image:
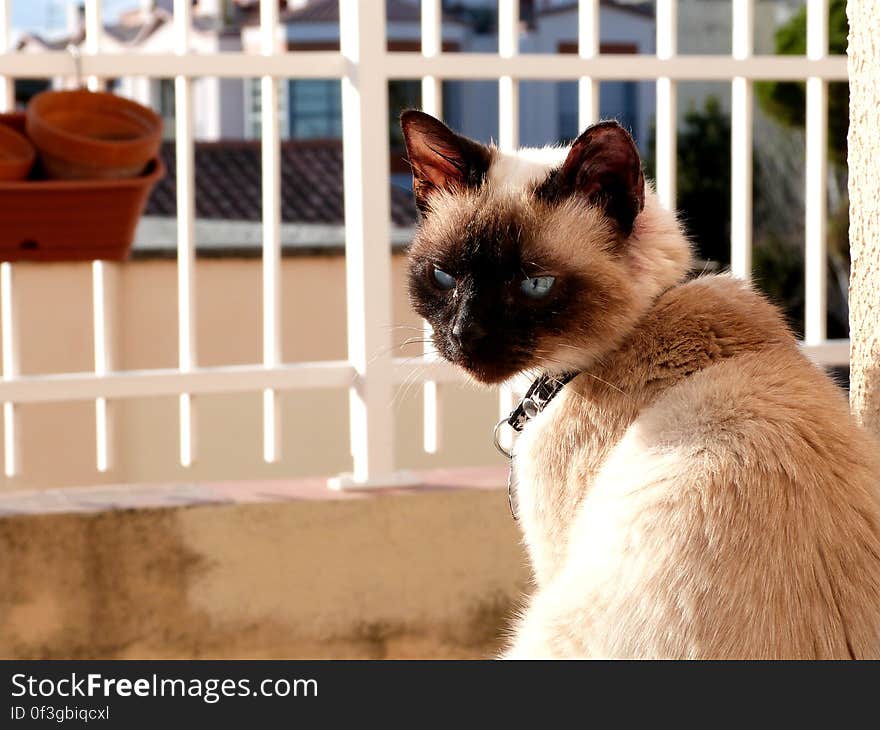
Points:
508	139
815	308
271	177
364	67
667	30
741	101
432	103
186	207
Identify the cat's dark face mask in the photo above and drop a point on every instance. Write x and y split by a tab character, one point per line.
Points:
492	311
493	271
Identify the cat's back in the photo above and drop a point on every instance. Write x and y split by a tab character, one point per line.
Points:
754	491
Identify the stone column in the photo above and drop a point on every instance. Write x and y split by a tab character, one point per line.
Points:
864	210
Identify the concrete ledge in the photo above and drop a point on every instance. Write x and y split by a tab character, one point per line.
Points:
263	569
155	496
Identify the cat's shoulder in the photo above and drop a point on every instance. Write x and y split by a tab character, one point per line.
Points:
730	306
723	292
768	406
760	386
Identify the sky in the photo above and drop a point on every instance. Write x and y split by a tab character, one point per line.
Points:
49	15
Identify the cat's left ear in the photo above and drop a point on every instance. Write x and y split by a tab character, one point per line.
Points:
604	167
440	158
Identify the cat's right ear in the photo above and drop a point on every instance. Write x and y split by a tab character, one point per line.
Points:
440	158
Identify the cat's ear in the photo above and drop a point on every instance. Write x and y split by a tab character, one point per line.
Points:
440	158
604	167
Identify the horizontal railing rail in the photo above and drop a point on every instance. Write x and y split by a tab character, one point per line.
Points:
450	66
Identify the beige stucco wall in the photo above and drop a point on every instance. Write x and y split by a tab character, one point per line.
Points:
417	575
864	217
55	310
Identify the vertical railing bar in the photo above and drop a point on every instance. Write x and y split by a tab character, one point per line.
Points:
816	170
588	48
508	87
93	31
432	46
432	103
666	105
103	290
11	420
741	105
101	308
508	141
367	242
8	310
185	174
271	181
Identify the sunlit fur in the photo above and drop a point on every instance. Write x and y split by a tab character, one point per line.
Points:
699	490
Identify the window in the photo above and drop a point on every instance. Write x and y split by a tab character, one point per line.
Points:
617	99
166	98
315	106
567	110
253	109
315	109
27	89
401	95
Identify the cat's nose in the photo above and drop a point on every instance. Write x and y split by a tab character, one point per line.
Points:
467	335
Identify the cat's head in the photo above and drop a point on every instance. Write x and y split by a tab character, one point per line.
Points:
540	259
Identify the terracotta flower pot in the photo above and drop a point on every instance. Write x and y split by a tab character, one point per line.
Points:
16	154
14	120
86	135
70	220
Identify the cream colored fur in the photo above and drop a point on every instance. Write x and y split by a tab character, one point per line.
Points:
700	490
517	170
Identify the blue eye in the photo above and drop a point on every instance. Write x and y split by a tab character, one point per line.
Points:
537	286
444	280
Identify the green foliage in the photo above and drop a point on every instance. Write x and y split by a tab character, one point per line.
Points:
704	179
704	183
777	270
786	100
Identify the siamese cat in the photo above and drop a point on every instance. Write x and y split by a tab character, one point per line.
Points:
697	488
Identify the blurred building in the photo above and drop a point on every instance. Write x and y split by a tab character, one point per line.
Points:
705	27
311	108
